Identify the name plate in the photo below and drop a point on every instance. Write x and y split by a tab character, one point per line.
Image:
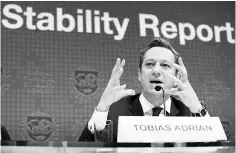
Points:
169	129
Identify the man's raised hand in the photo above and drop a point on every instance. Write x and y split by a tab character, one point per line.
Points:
114	91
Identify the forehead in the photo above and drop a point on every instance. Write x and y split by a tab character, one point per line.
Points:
159	53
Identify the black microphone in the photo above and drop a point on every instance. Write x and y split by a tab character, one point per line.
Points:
158	88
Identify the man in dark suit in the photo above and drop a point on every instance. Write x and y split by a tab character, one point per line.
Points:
160	65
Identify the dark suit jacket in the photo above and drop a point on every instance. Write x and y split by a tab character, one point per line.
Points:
4	134
130	106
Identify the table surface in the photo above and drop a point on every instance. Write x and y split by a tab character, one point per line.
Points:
38	149
101	147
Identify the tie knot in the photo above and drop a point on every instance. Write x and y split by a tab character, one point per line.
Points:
156	111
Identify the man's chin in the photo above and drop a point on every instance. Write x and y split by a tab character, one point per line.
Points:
154	92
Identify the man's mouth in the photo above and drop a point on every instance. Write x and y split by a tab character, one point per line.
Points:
156	82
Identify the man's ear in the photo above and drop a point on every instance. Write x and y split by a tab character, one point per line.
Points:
139	74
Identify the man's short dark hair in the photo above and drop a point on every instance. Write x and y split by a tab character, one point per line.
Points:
158	42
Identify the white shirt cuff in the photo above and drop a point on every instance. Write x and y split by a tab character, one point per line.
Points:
98	120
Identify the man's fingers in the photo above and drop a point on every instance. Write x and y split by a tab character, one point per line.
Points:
91	126
122	87
173	78
181	63
173	91
121	91
182	74
126	92
117	76
179	68
117	83
115	68
118	88
119	65
122	63
114	80
99	126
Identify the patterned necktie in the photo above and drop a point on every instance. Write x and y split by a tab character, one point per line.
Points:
156	111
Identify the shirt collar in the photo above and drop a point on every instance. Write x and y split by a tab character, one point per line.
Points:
146	105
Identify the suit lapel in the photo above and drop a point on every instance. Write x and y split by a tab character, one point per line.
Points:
174	111
135	107
180	106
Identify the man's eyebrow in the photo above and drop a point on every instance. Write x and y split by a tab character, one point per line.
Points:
151	59
166	61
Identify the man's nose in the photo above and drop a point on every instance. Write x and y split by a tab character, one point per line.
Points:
156	70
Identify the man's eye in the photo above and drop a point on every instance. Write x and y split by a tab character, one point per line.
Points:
165	65
149	64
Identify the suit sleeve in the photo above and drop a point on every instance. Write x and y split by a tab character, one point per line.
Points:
86	135
99	119
4	134
227	130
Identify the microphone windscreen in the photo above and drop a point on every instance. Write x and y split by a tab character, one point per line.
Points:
158	88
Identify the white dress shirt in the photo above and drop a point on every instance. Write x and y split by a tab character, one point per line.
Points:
147	106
